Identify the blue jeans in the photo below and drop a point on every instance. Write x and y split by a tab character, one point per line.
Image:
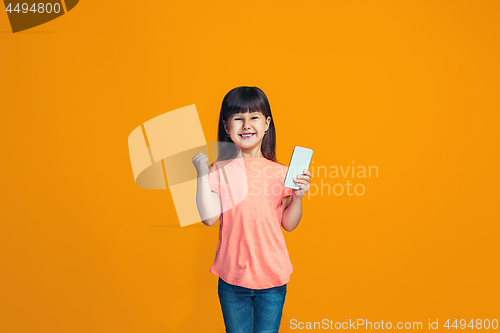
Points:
251	310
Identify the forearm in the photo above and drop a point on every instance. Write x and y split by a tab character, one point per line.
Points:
207	207
292	214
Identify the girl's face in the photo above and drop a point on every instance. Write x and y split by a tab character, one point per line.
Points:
247	129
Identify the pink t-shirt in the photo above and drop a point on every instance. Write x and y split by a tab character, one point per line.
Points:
251	251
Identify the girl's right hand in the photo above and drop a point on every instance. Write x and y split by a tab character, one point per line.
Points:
200	161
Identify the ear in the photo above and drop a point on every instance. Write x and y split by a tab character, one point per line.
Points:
225	125
268	121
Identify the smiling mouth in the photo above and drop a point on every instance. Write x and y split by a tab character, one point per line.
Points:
246	136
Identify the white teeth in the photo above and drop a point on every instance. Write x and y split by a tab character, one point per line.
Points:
246	135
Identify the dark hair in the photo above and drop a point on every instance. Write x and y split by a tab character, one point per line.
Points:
242	100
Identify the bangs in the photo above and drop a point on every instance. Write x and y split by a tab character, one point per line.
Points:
243	101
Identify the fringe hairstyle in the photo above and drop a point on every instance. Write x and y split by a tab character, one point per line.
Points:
242	100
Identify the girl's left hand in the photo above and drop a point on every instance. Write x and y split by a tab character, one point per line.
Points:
304	182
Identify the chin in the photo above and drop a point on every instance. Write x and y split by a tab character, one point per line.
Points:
253	144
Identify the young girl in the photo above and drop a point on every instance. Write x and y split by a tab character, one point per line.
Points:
244	188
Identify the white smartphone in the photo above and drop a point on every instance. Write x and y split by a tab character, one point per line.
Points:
301	158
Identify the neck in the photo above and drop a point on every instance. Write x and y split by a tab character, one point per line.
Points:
251	153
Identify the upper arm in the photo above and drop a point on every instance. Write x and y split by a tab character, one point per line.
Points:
285	201
218	203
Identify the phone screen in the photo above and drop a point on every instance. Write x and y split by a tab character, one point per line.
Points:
301	158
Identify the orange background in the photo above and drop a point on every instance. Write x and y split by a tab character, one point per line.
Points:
410	87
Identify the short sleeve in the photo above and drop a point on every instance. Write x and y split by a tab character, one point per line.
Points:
214	178
286	191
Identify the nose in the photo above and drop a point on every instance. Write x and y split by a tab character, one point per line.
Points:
246	124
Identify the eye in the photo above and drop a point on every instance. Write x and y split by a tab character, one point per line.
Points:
252	118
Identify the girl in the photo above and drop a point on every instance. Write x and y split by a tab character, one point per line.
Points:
244	188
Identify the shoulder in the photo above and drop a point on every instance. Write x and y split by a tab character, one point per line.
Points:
219	164
213	166
277	165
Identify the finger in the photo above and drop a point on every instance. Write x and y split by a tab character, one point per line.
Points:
306	172
298	182
303	188
306	178
201	156
302	184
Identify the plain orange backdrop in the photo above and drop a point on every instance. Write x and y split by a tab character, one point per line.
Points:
409	87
